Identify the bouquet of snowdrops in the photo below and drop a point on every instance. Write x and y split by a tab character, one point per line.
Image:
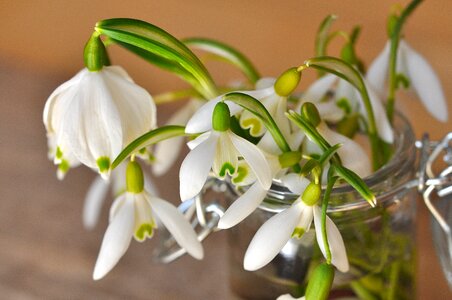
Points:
250	136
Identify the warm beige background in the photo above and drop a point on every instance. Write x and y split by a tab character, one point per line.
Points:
44	252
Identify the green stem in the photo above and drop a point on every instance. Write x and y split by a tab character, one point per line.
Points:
395	39
325	200
393	280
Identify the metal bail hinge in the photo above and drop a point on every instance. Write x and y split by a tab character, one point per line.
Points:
433	184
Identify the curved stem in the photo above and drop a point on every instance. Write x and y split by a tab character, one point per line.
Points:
325	200
395	39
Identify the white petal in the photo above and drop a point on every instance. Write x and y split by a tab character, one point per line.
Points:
50	107
196	166
92	122
166	153
289	297
265	82
225	156
295	183
136	107
268	144
352	155
116	240
178	226
255	159
338	253
201	120
319	88
271	238
93	202
425	82
243	206
347	91
198	140
377	74
384	128
329	111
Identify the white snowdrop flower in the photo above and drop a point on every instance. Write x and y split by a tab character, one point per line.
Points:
294	222
422	78
345	91
98	190
219	149
134	214
95	115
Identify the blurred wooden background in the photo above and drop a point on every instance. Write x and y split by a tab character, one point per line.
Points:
44	251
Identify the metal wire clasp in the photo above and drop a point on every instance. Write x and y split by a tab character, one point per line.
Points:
436	184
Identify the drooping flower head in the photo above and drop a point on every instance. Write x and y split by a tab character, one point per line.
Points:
417	71
219	150
94	115
137	213
294	222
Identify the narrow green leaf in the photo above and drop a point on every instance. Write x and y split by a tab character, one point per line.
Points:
162	62
339	68
322	37
155	40
227	53
147	139
257	108
356	182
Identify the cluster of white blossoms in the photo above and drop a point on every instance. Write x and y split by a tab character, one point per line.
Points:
94	116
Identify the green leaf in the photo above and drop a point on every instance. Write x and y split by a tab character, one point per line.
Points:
356	182
147	139
155	40
226	53
318	163
339	68
163	63
258	109
322	37
308	129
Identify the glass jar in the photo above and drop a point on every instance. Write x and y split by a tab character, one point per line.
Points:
379	241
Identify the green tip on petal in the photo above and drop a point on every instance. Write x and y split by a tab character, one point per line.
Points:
287	82
298	232
221	118
288	159
103	163
320	282
241	174
95	55
58	153
145	230
311	194
310	112
134	178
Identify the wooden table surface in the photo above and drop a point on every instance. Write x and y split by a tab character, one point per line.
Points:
44	251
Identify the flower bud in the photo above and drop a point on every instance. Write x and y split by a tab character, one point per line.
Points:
311	194
392	21
95	54
320	283
310	112
288	159
134	178
287	82
221	118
